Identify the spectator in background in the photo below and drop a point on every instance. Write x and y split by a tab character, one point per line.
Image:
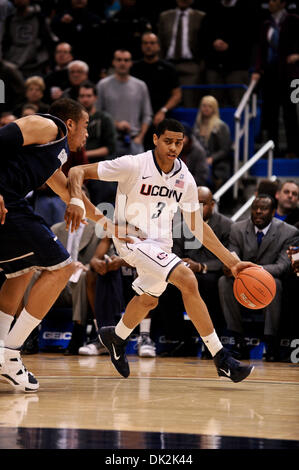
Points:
27	39
100	143
179	33
34	92
6	117
162	81
78	73
127	100
106	291
14	85
267	186
287	197
195	157
228	37
29	109
58	79
6	9
277	64
205	265
80	27
81	245
48	205
126	27
214	136
263	240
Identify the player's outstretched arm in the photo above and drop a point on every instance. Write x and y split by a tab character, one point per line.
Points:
78	209
206	235
78	174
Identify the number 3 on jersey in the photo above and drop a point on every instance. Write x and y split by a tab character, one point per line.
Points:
160	207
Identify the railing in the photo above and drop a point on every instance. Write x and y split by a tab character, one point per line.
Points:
267	148
249	100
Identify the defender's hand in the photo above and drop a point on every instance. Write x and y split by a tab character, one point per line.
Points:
73	217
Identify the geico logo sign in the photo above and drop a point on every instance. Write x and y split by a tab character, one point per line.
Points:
57	335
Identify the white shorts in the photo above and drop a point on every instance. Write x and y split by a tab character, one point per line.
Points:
153	264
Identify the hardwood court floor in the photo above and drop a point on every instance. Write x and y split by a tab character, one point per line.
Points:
162	397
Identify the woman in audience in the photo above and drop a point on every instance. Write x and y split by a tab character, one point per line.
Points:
214	136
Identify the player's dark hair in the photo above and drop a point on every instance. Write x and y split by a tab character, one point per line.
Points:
169	125
267	196
65	109
89	85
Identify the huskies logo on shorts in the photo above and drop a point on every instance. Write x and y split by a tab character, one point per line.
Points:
162	255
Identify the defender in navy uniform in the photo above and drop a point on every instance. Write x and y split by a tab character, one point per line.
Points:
33	149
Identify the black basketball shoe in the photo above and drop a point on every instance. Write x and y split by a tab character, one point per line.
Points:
229	367
117	349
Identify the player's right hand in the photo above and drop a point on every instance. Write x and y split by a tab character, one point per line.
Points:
3	210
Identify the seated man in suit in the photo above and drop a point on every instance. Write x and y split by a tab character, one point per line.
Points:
263	240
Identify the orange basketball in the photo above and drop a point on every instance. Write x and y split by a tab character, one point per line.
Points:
254	288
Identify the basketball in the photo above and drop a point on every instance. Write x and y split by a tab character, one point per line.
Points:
254	288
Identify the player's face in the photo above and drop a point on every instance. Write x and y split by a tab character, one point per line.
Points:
87	98
168	147
77	132
288	196
262	212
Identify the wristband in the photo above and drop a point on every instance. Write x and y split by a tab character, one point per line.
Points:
78	202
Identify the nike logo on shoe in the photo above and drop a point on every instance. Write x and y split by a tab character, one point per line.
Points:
145	177
114	353
227	373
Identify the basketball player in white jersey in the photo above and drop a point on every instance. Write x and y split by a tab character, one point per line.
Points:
151	186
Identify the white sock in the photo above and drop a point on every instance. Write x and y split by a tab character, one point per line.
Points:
21	330
145	326
212	342
5	322
122	330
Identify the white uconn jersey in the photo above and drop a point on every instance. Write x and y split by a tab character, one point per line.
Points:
146	197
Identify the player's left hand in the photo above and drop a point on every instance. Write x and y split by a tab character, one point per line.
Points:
73	217
3	210
242	265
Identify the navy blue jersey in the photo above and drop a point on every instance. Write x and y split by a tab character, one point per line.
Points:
26	168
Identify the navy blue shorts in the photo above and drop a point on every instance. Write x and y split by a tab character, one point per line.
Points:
27	244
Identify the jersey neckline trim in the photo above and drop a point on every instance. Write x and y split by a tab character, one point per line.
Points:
159	169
